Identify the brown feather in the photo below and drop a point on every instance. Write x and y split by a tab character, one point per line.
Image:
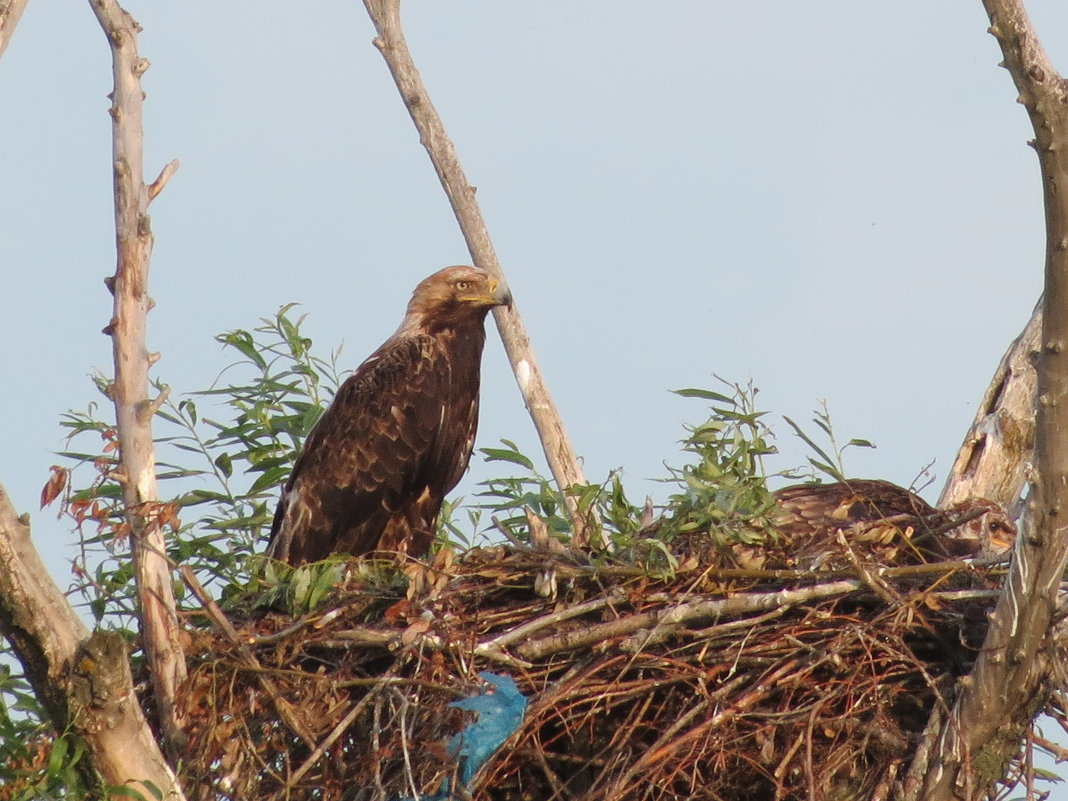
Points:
398	436
886	521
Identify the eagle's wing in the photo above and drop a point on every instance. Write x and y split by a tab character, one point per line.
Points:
818	508
366	458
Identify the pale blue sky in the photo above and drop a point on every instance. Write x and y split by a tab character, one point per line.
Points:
834	199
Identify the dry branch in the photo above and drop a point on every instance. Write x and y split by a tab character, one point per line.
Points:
83	682
554	439
133	407
1009	683
667	620
10	11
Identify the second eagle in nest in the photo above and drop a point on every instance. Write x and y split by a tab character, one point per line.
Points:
819	523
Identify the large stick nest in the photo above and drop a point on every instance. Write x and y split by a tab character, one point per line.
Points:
710	683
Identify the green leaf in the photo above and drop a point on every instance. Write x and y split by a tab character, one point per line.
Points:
190	409
225	464
57	758
310	417
833	472
202	496
243	342
129	792
808	441
270	478
705	394
502	455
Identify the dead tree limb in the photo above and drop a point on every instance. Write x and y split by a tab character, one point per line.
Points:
130	391
83	681
1007	685
10	11
385	14
996	459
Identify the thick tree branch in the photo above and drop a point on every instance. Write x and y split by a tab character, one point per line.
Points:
558	451
83	682
133	408
1008	681
10	11
996	458
41	626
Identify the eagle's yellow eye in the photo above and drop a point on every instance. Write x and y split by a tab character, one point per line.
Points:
463	286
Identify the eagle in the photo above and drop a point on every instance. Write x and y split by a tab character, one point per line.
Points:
399	433
889	521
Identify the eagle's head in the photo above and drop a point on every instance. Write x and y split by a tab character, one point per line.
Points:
456	295
986	532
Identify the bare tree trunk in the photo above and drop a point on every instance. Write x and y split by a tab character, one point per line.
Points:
996	458
1007	684
554	439
134	410
83	682
10	11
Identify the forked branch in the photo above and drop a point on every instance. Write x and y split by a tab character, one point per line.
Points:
1009	680
554	439
130	390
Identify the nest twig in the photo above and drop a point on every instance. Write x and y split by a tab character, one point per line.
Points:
718	684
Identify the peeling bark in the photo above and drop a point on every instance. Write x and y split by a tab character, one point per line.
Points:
996	459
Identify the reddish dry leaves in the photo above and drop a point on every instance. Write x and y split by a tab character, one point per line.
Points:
55	485
91	505
23	772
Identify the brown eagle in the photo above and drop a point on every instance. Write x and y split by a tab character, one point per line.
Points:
398	434
888	521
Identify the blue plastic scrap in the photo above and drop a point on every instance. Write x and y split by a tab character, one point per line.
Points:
500	714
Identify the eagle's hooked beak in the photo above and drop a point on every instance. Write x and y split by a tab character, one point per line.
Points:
500	294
